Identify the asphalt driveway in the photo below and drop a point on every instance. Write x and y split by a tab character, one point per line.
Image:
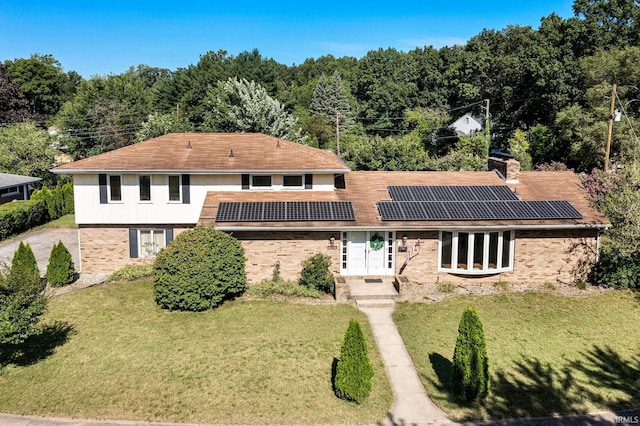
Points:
41	243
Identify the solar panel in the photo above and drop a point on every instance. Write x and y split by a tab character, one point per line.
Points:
452	193
476	210
282	211
274	211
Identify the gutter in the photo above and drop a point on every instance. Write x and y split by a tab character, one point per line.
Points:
197	171
409	228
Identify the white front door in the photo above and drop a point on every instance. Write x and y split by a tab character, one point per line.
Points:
357	253
362	259
376	264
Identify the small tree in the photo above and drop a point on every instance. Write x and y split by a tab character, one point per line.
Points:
24	274
22	301
316	273
199	270
60	270
354	373
470	371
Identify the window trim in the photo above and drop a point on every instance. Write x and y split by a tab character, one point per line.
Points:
179	200
301	186
140	189
470	270
109	193
252	186
153	231
7	192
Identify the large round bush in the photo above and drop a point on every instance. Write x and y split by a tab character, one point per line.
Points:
199	270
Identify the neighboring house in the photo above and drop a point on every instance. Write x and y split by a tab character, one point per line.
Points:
467	125
285	202
16	187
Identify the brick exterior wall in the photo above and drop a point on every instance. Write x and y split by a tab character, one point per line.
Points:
263	249
562	256
106	248
540	256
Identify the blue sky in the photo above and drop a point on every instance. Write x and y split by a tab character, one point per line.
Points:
109	36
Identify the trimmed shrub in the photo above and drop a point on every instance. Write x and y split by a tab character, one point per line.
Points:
199	270
354	372
470	369
316	273
19	216
24	275
131	272
281	288
60	270
58	201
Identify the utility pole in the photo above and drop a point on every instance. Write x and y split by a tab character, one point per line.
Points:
607	149
338	132
487	125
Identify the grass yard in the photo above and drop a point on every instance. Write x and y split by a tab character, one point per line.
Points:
547	354
66	221
109	352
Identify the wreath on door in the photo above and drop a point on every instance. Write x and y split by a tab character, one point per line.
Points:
377	242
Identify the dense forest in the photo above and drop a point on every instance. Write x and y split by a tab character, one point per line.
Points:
547	93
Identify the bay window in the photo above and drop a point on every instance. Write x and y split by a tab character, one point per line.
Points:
477	252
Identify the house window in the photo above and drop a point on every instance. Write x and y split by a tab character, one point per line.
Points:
6	192
294	181
344	240
476	252
115	188
144	182
174	188
261	181
151	241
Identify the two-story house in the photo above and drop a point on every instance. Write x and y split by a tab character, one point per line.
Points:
286	201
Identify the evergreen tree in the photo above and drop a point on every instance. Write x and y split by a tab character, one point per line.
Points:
320	104
60	270
353	371
22	300
339	104
470	371
24	274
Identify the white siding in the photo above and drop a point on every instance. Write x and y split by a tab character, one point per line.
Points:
160	210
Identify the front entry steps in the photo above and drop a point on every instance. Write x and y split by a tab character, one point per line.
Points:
375	303
371	288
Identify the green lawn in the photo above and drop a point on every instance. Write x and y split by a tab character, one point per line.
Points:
110	353
66	221
547	354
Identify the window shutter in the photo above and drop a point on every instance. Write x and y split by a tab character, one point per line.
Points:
308	181
186	189
102	182
168	235
133	243
245	181
338	182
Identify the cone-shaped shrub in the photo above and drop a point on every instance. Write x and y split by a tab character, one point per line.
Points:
199	270
24	275
353	370
60	270
470	370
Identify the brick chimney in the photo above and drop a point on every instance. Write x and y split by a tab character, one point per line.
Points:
506	164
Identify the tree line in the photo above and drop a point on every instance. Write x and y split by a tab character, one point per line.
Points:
548	89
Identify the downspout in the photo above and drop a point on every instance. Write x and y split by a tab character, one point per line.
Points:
410	255
598	246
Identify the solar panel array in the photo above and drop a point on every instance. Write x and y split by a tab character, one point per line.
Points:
481	202
285	211
477	210
452	193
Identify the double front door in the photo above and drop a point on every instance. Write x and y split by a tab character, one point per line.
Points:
368	253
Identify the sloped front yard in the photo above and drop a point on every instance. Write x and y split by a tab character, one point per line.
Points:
547	354
110	353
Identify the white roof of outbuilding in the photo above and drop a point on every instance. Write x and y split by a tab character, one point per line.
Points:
7	180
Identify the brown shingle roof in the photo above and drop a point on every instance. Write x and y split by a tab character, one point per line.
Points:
210	152
365	189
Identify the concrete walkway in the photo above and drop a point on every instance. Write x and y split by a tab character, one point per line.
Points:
411	406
